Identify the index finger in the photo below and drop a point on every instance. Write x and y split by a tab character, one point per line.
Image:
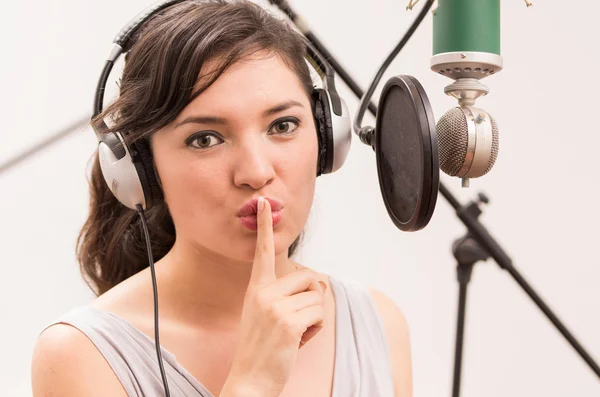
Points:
263	268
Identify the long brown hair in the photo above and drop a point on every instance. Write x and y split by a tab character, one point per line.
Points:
161	71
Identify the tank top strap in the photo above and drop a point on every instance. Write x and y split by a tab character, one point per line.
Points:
363	366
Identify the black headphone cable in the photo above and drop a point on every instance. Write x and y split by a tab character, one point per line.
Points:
140	212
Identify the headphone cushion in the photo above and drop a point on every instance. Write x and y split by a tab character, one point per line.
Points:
148	177
324	127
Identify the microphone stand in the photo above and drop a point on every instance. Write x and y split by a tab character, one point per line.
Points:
477	245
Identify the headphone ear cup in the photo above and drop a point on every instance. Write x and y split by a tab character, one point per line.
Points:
120	172
145	168
322	116
335	131
130	175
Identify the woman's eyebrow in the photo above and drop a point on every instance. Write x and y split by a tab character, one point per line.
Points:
281	107
202	120
219	120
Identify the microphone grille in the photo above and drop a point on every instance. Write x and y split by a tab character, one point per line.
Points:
453	135
452	132
495	144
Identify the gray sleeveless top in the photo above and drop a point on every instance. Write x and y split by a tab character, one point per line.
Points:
362	364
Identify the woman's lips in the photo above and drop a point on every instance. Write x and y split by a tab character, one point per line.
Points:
247	213
250	221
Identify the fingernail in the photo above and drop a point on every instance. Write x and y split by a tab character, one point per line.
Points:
323	285
261	204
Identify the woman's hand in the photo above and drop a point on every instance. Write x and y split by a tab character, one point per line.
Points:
278	317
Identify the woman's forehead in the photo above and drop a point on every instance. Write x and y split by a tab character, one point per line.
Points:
260	68
258	82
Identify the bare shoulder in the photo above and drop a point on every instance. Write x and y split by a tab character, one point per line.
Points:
66	363
397	335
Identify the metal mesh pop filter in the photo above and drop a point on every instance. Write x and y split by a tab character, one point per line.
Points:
407	153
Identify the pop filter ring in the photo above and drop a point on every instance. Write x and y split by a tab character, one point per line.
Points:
428	158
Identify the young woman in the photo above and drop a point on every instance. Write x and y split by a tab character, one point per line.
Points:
221	94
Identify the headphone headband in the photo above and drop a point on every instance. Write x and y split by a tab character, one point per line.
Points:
122	44
123	38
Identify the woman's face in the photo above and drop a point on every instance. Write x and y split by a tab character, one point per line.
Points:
251	133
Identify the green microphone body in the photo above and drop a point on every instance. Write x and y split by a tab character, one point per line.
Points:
466	38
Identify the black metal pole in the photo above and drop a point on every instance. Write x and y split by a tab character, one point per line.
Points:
460	334
467	253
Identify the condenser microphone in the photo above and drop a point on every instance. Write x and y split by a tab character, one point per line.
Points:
466	49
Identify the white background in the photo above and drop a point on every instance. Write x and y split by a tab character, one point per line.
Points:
544	192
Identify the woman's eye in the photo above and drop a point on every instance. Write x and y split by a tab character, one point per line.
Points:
285	126
203	141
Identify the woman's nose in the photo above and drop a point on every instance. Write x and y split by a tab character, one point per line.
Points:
253	166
